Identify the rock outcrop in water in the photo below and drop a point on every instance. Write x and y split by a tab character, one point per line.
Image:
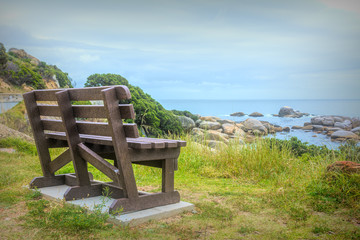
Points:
337	127
290	112
216	132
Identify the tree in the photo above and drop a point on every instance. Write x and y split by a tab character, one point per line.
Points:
151	116
3	56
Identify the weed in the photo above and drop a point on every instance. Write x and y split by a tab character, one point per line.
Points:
320	229
246	230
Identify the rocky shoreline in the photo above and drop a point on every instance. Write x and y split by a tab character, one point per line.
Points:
215	132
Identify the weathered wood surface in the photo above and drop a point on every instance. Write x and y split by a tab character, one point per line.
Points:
91	141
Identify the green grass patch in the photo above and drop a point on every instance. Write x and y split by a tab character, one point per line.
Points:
258	191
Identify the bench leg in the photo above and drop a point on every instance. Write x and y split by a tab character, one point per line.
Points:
168	175
144	202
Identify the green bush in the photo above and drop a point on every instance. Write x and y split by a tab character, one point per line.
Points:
19	144
151	116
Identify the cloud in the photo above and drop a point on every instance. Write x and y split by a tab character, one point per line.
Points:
86	58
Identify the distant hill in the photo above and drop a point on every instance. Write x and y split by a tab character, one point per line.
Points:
21	72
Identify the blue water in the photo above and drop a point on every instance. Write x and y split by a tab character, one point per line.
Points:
223	109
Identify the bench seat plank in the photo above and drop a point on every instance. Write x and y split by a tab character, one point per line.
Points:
135	143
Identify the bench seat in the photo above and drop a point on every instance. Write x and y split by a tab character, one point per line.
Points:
135	143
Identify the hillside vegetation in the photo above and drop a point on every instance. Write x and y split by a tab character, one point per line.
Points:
151	116
24	72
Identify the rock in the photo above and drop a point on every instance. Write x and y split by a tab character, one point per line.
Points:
237	114
210	125
278	129
256	114
284	111
314	135
198	133
308	127
239	133
338	119
209	118
333	129
317	121
346	124
228	128
318	128
344	166
342	134
296	127
355	122
223	121
214	135
186	122
215	144
197	123
356	130
328	121
307	123
286	129
22	54
254	124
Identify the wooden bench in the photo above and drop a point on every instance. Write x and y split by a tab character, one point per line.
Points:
63	124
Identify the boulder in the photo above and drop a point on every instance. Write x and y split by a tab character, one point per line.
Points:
198	122
308	127
284	111
317	121
254	124
256	114
223	121
342	134
228	128
337	119
214	135
344	166
239	133
328	121
356	130
215	144
355	122
198	133
318	128
307	123
278	129
237	114
286	129
296	127
186	122
346	124
209	118
210	125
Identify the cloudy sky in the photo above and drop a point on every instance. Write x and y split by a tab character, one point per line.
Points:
197	49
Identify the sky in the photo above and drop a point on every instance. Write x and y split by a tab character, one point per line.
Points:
197	49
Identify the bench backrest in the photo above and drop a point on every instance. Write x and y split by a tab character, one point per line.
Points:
89	114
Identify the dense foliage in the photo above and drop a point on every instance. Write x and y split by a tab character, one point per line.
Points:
151	116
20	70
3	57
186	114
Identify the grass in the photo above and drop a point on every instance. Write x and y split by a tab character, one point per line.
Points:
261	191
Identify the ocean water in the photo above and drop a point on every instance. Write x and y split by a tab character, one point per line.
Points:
223	109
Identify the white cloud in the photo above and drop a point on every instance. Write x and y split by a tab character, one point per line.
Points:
86	58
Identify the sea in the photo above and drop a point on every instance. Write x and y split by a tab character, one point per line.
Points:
223	109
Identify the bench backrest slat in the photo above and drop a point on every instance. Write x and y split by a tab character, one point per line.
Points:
87	111
90	128
81	94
